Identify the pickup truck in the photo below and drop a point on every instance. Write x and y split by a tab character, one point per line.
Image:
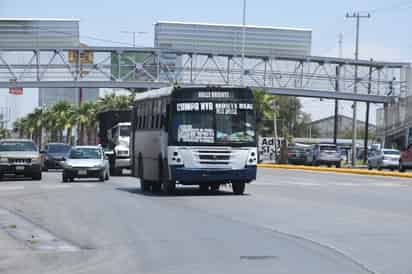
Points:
405	160
20	157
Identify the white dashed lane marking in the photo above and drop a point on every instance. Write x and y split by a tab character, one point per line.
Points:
6	188
11	188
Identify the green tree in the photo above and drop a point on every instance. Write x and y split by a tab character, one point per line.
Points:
291	120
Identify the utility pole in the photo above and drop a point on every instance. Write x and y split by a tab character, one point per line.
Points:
133	33
336	116
365	142
340	42
356	16
242	62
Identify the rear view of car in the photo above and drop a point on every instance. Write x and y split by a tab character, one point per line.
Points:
385	158
20	157
296	155
327	154
53	155
85	162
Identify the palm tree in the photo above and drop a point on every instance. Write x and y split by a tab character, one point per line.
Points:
86	118
63	111
263	107
115	102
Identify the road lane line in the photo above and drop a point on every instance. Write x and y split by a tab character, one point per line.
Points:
55	186
11	188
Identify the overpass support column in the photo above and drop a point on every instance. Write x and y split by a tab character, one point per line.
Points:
365	142
336	121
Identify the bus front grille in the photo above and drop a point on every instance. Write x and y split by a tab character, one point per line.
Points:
214	157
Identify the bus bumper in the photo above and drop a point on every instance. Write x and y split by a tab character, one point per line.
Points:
188	176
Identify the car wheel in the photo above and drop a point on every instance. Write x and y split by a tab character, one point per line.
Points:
156	187
36	176
204	188
117	171
107	177
401	167
238	188
102	177
65	179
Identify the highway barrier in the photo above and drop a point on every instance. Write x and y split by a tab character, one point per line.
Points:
339	170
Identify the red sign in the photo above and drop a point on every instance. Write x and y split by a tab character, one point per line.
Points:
16	91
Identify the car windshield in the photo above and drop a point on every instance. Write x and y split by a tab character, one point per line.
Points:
85	153
17	146
125	131
328	148
221	123
391	152
58	148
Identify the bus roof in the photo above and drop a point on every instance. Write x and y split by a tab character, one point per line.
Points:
154	93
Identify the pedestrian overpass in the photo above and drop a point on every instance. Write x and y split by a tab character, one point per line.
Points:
145	68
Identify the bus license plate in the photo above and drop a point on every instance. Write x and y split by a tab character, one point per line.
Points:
82	172
19	168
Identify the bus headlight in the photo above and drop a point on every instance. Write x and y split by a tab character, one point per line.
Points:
175	158
252	158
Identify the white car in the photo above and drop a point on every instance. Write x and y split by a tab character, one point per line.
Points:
384	158
85	162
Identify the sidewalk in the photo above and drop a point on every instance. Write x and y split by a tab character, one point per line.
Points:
359	171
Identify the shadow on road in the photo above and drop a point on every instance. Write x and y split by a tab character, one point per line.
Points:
180	191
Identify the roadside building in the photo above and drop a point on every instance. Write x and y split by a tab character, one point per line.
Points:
323	128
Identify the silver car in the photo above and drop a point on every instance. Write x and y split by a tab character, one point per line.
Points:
85	162
384	158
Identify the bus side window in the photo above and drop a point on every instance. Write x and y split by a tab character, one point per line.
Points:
166	118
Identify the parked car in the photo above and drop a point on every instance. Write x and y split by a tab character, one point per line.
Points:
53	154
296	155
405	160
324	154
20	157
85	162
383	158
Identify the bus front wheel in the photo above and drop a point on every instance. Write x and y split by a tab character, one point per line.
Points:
238	188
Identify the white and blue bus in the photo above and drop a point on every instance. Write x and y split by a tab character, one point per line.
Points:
202	136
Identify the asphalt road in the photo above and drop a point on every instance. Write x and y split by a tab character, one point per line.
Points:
288	222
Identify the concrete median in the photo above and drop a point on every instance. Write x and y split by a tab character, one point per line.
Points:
339	170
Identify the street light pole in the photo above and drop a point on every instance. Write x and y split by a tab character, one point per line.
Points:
357	16
242	63
134	35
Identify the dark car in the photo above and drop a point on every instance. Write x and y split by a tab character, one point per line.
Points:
53	154
297	155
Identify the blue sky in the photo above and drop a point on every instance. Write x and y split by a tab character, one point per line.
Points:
385	36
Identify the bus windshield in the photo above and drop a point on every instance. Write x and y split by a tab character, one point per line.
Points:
219	123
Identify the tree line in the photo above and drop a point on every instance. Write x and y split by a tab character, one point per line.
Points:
63	117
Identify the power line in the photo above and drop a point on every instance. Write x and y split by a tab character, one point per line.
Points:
401	4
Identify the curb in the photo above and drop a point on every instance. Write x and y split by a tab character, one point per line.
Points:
339	170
